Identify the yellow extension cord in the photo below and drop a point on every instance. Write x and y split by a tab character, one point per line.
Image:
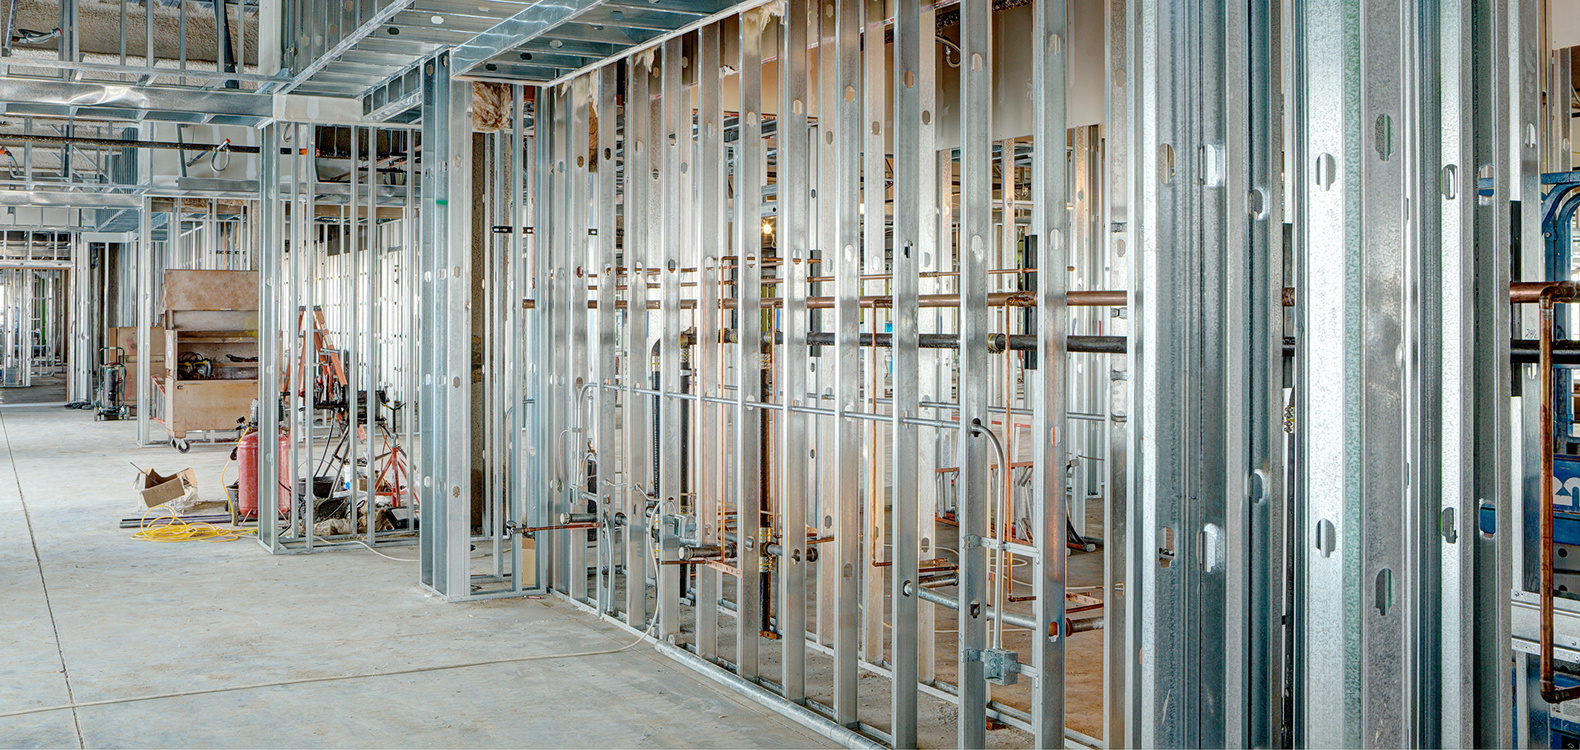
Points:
182	530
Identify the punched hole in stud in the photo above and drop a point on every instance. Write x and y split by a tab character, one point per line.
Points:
1487	520
1326	171
1327	538
1448	526
1382	137
1384	591
1165	163
1165	547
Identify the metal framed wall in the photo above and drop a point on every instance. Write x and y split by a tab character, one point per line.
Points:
179	232
758	299
1205	573
338	264
444	334
1402	534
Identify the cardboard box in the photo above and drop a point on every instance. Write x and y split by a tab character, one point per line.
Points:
154	489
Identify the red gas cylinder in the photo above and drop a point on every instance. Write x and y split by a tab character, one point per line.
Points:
247	463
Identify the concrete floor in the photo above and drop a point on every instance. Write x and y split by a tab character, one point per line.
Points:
46	389
91	615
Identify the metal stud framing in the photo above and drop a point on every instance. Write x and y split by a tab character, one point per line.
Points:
1204	505
976	228
335	260
1401	303
776	472
768	276
749	311
443	333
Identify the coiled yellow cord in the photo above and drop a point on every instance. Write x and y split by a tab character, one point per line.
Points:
178	529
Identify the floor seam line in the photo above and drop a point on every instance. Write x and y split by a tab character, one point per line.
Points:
38	560
316	680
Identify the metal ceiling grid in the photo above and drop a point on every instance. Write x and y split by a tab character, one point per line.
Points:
380	40
548	42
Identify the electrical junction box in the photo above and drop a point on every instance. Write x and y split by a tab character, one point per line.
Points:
1000	667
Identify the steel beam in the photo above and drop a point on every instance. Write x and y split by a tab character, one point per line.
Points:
346	43
80	99
1203	512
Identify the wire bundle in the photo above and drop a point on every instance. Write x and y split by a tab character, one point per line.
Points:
178	529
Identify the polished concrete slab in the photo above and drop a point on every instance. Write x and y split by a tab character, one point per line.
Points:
92	615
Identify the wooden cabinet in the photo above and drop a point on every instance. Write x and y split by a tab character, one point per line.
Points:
210	373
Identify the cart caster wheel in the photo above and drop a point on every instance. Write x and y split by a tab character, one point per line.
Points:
181	445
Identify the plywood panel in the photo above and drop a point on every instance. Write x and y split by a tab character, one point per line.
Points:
208	404
210	290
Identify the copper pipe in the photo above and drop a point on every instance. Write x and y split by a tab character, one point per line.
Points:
1547	294
876	301
935	564
1530	292
923	275
884	302
1095	298
1091	298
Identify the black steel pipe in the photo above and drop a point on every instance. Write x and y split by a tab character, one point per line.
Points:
1528	352
997	342
1521	351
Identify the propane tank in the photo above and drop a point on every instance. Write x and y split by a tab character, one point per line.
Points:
247	463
